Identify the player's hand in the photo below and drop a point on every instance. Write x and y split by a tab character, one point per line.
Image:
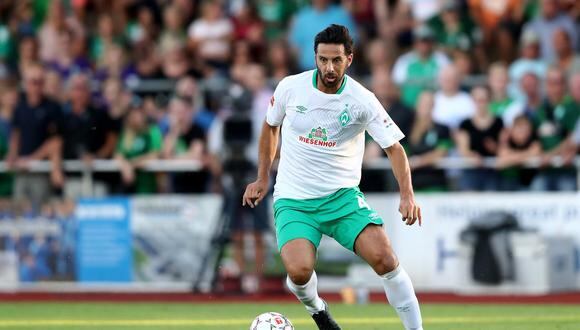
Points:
410	211
255	192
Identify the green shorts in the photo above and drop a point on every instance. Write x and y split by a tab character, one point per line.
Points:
342	215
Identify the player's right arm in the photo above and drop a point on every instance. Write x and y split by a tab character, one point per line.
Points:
257	190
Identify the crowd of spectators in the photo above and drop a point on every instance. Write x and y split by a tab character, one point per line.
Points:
136	80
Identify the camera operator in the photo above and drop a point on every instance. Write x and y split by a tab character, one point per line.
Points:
233	146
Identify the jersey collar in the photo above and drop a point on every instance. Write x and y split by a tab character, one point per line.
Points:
342	86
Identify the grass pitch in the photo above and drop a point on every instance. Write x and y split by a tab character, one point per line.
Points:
238	316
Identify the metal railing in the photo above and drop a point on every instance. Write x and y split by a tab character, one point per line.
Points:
87	169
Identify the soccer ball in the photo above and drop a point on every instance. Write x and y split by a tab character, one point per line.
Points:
271	321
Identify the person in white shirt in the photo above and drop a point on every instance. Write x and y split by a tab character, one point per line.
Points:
452	106
324	114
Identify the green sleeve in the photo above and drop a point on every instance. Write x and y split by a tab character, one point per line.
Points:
156	138
445	144
571	116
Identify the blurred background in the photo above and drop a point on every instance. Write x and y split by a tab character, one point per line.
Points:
129	129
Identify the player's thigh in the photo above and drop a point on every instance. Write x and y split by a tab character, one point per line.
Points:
374	246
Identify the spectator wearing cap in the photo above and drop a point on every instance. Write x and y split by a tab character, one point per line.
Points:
529	61
452	105
309	21
417	70
566	59
550	20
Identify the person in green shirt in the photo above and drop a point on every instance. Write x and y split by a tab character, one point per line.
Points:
554	121
417	70
498	79
139	143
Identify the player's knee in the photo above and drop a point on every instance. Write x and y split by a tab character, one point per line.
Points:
299	274
384	263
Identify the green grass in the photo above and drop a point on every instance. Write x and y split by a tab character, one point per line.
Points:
214	316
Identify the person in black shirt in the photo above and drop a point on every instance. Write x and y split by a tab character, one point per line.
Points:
427	143
517	144
185	140
88	132
478	138
35	135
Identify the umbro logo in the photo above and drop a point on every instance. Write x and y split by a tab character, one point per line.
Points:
301	109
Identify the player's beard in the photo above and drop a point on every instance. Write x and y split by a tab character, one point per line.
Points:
330	84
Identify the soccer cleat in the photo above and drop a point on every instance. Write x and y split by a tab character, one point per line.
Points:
324	320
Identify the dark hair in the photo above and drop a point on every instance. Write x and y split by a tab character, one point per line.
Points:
334	34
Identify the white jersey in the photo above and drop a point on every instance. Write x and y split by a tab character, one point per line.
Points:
323	135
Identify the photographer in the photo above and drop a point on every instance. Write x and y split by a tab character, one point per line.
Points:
233	145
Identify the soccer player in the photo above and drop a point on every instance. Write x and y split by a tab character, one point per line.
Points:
324	114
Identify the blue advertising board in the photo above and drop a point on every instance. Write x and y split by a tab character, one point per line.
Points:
103	240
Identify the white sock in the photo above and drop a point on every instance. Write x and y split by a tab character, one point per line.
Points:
402	297
307	294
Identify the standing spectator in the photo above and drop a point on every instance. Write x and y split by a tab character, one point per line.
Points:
139	143
498	80
232	161
53	87
428	143
452	105
248	25
65	63
477	138
309	21
550	20
572	105
554	123
566	59
378	57
88	131
416	70
518	144
529	61
452	29
211	34
35	135
185	140
105	37
175	63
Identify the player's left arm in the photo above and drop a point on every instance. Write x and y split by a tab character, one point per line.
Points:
387	134
410	211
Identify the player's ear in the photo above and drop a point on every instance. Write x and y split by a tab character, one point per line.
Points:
349	60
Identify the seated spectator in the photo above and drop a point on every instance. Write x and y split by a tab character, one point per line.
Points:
378	57
518	144
550	20
116	99
477	138
452	105
185	140
280	61
554	123
530	86
50	31
566	59
572	105
498	82
427	143
139	143
27	55
309	21
36	135
65	63
248	25
173	32
529	61
211	34
53	88
416	70
175	63
106	36
452	29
